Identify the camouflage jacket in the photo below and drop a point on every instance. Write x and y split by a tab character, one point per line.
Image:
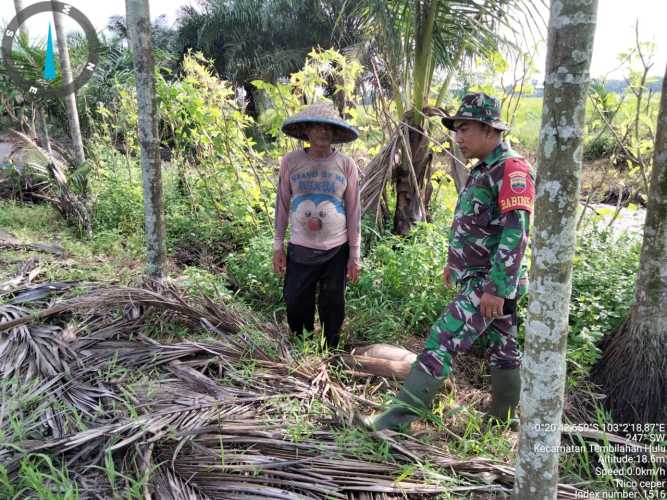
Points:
489	233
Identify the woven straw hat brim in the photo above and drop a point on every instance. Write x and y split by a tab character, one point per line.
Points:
342	131
448	122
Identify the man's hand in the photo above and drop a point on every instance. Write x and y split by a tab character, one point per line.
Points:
353	267
279	261
447	276
491	306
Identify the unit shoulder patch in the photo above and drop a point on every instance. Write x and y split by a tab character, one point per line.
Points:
518	189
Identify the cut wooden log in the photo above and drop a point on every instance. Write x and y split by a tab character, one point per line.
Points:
383	360
381	367
385	351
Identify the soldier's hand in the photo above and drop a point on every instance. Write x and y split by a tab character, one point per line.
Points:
279	261
447	277
491	306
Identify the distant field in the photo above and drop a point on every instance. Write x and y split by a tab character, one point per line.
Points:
527	120
526	123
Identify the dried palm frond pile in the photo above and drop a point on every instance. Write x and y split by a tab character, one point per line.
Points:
23	175
232	415
43	177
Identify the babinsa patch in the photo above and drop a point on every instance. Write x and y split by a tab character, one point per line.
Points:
517	191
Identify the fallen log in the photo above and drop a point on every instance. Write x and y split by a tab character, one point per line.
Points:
383	360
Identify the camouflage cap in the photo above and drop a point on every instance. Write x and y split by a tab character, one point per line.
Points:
478	107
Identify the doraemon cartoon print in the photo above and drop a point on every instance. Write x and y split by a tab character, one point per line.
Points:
321	216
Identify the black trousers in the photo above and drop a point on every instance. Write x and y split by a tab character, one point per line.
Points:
301	284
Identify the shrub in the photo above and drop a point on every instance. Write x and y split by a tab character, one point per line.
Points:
603	283
603	278
118	199
602	146
400	290
250	272
216	186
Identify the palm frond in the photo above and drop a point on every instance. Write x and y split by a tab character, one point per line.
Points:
480	28
66	201
190	419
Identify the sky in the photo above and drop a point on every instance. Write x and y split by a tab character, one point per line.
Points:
615	26
615	32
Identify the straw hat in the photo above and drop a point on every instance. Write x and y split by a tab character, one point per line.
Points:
319	112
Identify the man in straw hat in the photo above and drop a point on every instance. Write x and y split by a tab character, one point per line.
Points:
318	196
487	240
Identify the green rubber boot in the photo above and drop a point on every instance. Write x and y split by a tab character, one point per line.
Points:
417	394
505	393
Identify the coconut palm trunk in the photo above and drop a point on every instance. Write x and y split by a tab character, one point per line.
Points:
413	179
457	169
43	132
19	5
70	99
569	49
41	127
637	392
139	34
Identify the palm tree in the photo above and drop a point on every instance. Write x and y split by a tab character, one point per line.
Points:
19	5
29	59
163	36
264	39
70	99
24	36
414	38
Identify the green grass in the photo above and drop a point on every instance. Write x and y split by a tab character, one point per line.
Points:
40	479
527	123
107	256
31	221
362	444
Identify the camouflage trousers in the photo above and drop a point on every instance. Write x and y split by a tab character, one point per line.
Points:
462	324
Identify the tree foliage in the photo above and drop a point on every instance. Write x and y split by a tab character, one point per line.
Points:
413	38
259	39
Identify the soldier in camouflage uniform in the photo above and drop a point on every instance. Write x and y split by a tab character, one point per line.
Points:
487	241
